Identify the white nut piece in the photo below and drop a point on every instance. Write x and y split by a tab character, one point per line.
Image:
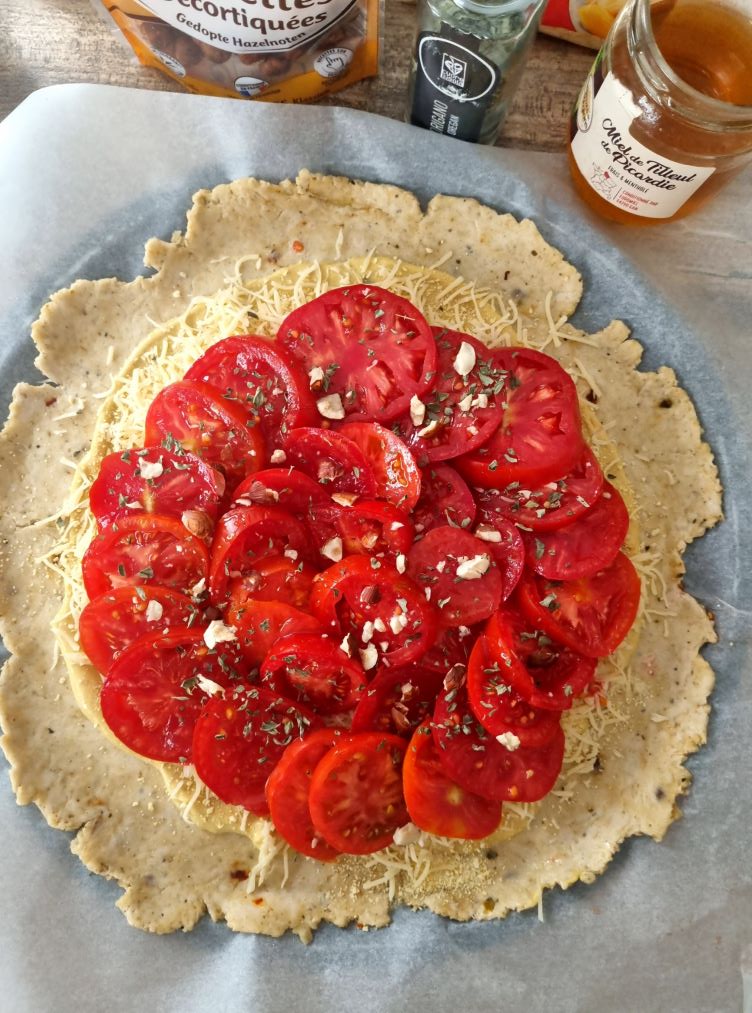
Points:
417	410
464	361
150	469
217	633
331	406
333	549
474	568
368	657
153	611
509	740
209	686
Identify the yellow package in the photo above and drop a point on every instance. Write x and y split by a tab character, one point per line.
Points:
586	22
274	50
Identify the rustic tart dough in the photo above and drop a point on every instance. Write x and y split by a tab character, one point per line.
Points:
625	748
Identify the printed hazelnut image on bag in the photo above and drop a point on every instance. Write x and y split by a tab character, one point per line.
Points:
275	50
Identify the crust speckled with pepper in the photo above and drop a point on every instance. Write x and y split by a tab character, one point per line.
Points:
251	252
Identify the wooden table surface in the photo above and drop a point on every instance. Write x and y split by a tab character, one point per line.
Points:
44	42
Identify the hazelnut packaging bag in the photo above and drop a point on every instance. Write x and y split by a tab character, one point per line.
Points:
276	50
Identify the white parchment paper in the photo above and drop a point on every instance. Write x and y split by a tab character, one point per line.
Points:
87	174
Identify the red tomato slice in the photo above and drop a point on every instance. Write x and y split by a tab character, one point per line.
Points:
113	621
585	546
549	506
156	480
260	624
451	647
195	416
239	740
383	610
275	578
287	793
394	468
144	549
498	707
314	670
445	499
460	573
332	460
463	409
246	535
286	488
374	528
542	671
375	349
591	615
356	798
266	383
508	549
397	700
478	763
154	691
539	438
435	802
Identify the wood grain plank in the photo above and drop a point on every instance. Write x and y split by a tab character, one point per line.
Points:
43	42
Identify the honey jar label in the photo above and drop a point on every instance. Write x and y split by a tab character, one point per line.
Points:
619	168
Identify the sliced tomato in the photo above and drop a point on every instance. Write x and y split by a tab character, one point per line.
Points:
451	647
435	802
316	671
286	488
156	480
544	672
549	506
275	578
239	740
373	527
156	689
195	416
591	615
445	499
498	707
384	611
287	793
254	373
397	700
393	466
539	438
464	407
375	349
259	624
356	800
508	549
332	460
459	573
478	763
144	549
584	547
113	621
246	535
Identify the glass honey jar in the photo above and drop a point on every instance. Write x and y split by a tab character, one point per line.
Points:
665	116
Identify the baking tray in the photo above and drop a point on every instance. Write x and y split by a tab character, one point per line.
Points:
87	174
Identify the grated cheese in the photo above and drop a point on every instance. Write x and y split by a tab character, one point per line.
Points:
260	305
